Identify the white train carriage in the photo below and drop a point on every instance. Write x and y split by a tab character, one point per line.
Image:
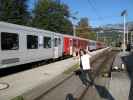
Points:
92	45
21	45
58	45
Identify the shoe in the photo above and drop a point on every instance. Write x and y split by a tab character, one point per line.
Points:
92	83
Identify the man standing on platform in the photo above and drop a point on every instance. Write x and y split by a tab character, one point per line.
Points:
85	67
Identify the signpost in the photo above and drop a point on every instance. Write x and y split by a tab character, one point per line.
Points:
124	14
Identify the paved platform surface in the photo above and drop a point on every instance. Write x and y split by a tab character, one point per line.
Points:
32	82
26	81
119	59
120	81
118	87
72	86
99	91
128	61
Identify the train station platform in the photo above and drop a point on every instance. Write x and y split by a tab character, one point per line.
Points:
31	83
24	83
119	85
120	81
116	88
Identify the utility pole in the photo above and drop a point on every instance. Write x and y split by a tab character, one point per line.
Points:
104	39
97	35
127	33
124	14
124	39
74	26
74	30
131	38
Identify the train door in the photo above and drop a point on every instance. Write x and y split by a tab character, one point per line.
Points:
71	47
68	49
87	46
60	45
66	46
75	46
57	46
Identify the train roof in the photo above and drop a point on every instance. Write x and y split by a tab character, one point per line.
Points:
22	27
92	41
31	29
71	36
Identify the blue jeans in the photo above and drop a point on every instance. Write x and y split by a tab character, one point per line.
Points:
86	77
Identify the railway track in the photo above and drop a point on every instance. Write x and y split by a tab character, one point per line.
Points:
97	62
104	68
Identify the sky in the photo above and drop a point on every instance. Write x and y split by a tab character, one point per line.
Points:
98	12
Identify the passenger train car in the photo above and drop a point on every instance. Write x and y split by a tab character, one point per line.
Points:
22	44
68	45
92	45
100	45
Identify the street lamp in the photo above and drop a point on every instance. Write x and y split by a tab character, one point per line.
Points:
74	26
127	33
131	38
74	30
97	36
124	14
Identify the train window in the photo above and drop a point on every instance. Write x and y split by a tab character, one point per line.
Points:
32	42
47	42
56	42
9	41
70	42
93	43
74	43
59	41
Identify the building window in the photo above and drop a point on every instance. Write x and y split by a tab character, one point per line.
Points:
9	41
32	42
47	42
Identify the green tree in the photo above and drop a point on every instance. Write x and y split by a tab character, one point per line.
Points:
84	29
50	15
14	11
92	35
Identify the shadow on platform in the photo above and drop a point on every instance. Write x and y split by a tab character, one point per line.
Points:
128	61
70	97
102	91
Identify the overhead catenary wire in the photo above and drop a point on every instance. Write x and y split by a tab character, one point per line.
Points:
105	18
97	13
95	10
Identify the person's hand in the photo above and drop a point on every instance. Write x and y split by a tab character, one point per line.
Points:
91	70
89	53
